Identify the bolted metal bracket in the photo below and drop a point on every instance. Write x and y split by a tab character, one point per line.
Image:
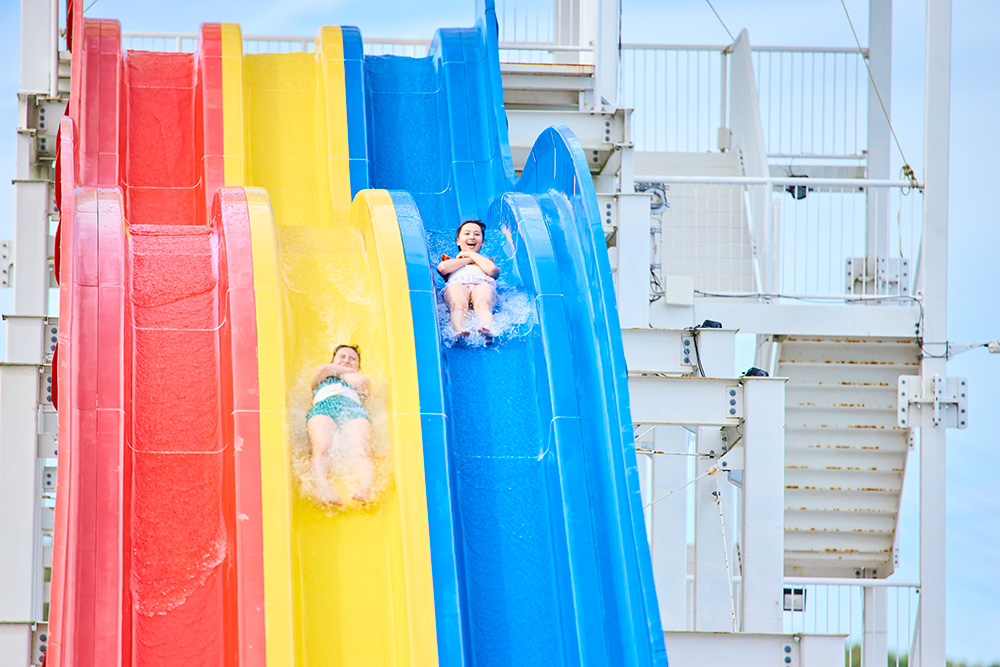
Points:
948	401
39	642
608	204
6	263
734	401
687	353
732	460
890	275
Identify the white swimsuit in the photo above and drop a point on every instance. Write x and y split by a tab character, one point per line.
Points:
472	275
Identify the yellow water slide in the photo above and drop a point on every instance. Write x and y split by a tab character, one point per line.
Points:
349	585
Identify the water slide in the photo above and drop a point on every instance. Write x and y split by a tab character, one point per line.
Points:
216	241
551	553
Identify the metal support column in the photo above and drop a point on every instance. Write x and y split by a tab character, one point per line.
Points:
606	39
934	272
763	534
668	525
879	137
634	250
23	418
713	592
875	649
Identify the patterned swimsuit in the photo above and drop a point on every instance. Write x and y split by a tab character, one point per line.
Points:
338	400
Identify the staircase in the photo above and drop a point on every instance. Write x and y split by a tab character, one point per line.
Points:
844	454
549	87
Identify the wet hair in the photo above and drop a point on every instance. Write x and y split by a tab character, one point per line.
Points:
482	226
342	346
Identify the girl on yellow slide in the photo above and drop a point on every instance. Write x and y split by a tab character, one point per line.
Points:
339	395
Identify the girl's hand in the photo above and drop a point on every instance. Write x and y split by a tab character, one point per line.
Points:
358	381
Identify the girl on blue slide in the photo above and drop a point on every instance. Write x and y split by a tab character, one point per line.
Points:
470	278
339	395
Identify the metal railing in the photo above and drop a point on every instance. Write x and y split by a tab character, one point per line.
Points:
813	101
789	236
512	52
527	21
677	95
838	607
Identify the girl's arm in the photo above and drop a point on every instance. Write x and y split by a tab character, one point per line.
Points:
484	263
325	371
449	266
360	382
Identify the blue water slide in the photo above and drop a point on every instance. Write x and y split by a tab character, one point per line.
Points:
538	546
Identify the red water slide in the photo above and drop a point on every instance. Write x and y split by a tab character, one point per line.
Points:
158	520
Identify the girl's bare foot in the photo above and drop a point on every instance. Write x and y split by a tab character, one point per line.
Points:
364	495
328	495
486	334
464	333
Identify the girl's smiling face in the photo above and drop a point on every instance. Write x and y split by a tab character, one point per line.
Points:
470	237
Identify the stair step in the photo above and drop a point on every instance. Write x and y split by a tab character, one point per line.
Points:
834	541
857	417
867	523
834	459
858	563
840	501
859	374
840	480
882	350
840	397
545	86
848	439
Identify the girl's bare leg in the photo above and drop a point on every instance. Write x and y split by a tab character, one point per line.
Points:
457	298
322	430
483	299
359	435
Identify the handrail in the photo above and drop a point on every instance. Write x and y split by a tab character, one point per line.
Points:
727	47
510	45
785	180
864	583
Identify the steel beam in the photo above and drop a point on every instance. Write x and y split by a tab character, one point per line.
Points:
763	525
667	520
894	319
600	132
634	249
879	139
714	605
931	649
677	351
22	513
697	649
686	400
875	648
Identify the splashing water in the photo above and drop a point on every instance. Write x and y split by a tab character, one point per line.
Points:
513	317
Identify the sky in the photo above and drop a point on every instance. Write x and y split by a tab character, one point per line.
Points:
973	501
